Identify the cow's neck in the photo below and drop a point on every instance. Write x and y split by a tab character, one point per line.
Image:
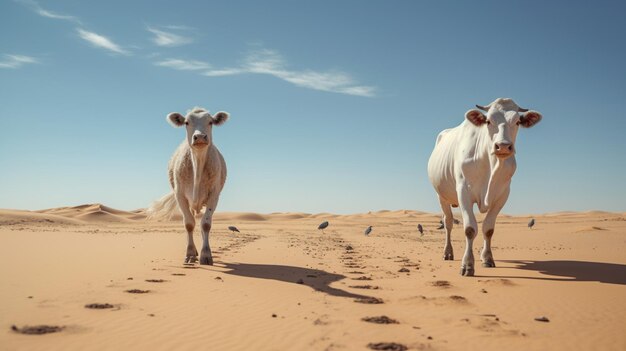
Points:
198	161
500	173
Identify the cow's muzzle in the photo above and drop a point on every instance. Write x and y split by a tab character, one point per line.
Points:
503	149
199	140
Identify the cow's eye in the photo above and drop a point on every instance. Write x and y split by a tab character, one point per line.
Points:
488	122
186	123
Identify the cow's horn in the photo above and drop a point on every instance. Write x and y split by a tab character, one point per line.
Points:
484	108
519	109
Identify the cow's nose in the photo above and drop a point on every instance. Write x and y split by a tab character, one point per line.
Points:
503	147
201	138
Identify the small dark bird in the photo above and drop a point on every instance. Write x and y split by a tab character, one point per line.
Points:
441	226
368	230
531	223
420	229
323	226
233	229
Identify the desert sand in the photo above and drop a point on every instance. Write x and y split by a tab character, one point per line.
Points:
281	284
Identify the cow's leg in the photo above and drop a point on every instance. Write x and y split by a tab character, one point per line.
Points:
489	225
470	226
207	219
448	221
190	223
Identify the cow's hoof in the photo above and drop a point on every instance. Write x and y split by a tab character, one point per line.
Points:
191	259
467	271
448	257
206	260
489	264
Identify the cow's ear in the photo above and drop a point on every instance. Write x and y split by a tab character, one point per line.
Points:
176	119
529	119
476	117
220	117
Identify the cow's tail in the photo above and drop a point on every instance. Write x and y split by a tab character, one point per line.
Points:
164	208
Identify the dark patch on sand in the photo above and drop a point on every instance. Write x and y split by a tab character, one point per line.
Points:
99	306
458	298
137	291
369	300
156	280
37	330
365	287
387	346
380	320
441	284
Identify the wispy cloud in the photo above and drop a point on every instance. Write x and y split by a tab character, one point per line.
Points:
16	61
224	72
163	38
271	63
177	27
47	13
101	41
184	65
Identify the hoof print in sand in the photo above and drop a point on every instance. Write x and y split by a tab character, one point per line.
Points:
380	320
37	330
542	319
137	291
156	280
99	306
387	346
179	274
441	284
362	278
369	300
458	298
404	270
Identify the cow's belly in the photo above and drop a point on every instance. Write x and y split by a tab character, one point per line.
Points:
441	175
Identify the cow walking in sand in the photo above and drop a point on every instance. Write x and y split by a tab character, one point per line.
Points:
197	173
473	163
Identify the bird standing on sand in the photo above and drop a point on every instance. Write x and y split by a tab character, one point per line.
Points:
441	226
420	229
531	223
233	229
368	230
323	226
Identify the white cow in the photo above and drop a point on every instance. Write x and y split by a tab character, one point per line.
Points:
197	174
473	164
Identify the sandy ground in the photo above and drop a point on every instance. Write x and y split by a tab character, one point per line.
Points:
281	284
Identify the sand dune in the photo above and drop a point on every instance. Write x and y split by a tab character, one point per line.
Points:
12	217
95	213
105	279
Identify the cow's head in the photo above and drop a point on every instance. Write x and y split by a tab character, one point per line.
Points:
502	120
199	124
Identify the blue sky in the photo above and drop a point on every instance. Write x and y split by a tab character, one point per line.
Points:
335	105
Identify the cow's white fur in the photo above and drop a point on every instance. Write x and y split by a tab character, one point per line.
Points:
197	173
473	164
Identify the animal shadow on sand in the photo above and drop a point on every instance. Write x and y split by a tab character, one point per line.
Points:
291	274
580	271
